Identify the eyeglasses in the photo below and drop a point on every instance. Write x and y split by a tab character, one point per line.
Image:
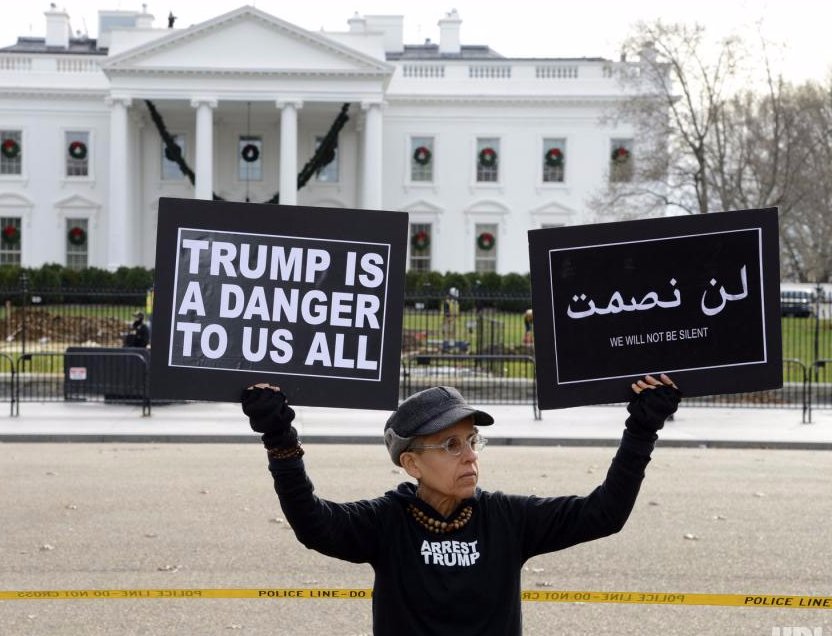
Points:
455	445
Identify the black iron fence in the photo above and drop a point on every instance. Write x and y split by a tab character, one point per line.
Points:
482	343
492	325
68	345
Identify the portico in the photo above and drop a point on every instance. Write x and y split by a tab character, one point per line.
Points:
283	82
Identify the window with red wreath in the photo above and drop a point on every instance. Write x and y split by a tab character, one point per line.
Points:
420	247
10	240
554	160
488	159
77	243
421	159
77	153
485	253
11	152
621	160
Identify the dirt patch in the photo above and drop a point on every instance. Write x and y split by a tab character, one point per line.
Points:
46	327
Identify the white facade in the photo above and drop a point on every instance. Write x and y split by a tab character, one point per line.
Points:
247	77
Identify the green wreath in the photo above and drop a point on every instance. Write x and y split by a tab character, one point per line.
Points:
620	155
250	153
422	155
488	157
77	235
486	240
553	157
10	148
420	240
11	235
78	150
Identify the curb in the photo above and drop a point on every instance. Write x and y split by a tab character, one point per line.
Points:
103	438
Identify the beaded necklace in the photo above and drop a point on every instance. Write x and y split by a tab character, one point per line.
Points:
440	527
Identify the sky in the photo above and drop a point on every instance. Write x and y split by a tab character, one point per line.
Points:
520	28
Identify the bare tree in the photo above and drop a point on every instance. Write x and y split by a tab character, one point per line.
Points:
806	210
705	141
677	92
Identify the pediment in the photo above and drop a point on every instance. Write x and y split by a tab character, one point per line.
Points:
77	202
487	206
12	200
246	41
421	205
553	209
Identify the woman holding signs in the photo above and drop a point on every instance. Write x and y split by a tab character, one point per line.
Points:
447	556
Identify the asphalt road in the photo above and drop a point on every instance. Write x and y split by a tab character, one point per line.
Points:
135	516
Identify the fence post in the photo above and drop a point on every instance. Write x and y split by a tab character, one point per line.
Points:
24	301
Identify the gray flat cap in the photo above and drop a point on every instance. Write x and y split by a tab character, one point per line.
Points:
425	413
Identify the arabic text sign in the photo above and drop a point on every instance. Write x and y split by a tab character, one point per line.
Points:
309	310
691	296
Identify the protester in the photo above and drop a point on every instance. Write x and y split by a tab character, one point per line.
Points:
447	555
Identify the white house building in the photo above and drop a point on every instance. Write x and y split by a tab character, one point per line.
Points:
476	147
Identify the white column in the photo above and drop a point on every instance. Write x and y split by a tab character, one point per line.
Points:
118	245
289	151
371	189
204	182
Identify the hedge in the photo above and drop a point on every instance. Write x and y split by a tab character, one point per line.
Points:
54	276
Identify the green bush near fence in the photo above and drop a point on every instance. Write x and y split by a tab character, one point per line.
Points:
54	276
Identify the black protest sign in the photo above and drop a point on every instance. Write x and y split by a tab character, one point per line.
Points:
309	299
695	297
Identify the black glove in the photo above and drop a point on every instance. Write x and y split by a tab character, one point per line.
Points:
649	409
270	414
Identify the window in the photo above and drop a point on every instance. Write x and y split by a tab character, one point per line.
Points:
329	172
488	159
170	169
421	159
77	242
77	153
11	144
10	240
621	160
554	160
485	257
250	162
420	246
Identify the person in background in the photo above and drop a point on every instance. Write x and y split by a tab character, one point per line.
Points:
528	323
450	315
447	555
139	335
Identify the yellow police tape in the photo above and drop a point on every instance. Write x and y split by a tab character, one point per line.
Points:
551	596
